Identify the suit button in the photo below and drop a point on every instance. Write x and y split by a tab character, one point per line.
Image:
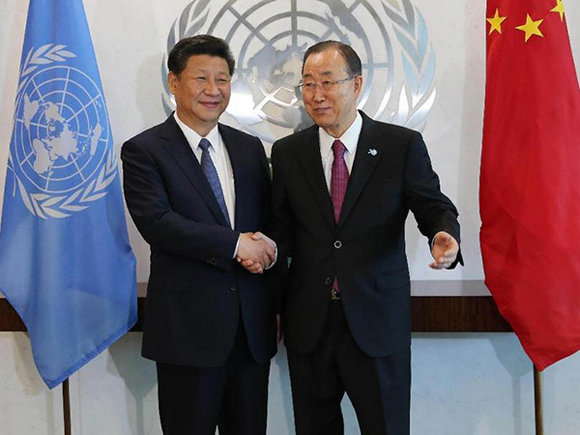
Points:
338	244
233	288
212	261
328	280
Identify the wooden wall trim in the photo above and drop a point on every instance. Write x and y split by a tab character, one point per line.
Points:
430	314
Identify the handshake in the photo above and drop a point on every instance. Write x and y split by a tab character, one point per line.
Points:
256	252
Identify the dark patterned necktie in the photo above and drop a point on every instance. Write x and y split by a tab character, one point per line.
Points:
338	183
212	176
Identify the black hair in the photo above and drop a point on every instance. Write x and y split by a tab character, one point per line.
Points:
353	62
195	45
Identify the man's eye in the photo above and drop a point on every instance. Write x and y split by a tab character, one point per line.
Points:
200	79
309	86
326	83
222	81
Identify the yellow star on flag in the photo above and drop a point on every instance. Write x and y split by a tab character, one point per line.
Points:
495	22
531	27
559	8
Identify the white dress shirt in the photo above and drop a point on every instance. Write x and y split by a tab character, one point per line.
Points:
221	161
350	141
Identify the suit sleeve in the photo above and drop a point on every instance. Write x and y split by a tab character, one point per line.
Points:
266	188
433	211
161	226
282	223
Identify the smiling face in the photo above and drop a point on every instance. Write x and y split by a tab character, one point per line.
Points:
333	110
202	91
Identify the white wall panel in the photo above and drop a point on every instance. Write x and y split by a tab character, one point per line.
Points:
473	384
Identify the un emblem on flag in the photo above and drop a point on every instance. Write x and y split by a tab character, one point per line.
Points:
60	153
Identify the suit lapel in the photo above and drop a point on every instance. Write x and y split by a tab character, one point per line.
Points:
369	152
236	155
314	173
177	146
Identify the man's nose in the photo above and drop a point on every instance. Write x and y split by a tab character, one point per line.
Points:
211	87
318	94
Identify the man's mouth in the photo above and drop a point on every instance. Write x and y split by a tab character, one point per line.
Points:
210	104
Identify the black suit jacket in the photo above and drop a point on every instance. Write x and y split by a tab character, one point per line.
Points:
391	175
196	289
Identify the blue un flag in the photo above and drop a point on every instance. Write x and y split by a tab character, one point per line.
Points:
66	265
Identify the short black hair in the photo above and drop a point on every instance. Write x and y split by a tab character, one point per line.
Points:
353	62
195	45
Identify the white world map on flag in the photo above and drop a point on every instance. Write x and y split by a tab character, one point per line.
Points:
60	140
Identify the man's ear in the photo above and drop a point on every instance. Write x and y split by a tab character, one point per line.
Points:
172	81
358	82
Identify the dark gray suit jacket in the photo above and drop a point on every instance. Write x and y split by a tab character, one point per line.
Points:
392	174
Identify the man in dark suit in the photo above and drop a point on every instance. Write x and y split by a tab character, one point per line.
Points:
342	190
197	191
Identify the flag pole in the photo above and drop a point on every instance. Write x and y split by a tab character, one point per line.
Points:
538	401
66	407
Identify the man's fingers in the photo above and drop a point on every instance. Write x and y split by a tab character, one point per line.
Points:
257	235
268	246
436	265
445	260
449	255
251	266
265	260
271	254
245	263
255	268
260	250
442	262
268	249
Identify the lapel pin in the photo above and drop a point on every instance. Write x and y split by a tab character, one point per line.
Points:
373	152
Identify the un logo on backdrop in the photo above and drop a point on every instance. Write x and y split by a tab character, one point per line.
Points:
269	38
59	153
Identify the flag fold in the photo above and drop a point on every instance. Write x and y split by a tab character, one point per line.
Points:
66	265
530	176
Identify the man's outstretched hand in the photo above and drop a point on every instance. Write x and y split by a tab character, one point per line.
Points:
445	249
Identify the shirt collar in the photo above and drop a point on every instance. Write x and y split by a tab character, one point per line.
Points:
193	137
349	138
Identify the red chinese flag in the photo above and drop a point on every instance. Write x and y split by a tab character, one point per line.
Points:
530	176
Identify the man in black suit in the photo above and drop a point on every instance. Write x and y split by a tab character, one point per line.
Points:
342	190
197	191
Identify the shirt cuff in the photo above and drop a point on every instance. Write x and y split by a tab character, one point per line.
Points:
237	246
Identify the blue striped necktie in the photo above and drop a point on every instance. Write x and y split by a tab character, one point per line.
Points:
212	176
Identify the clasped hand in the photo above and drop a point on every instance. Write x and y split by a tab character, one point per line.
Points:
256	252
